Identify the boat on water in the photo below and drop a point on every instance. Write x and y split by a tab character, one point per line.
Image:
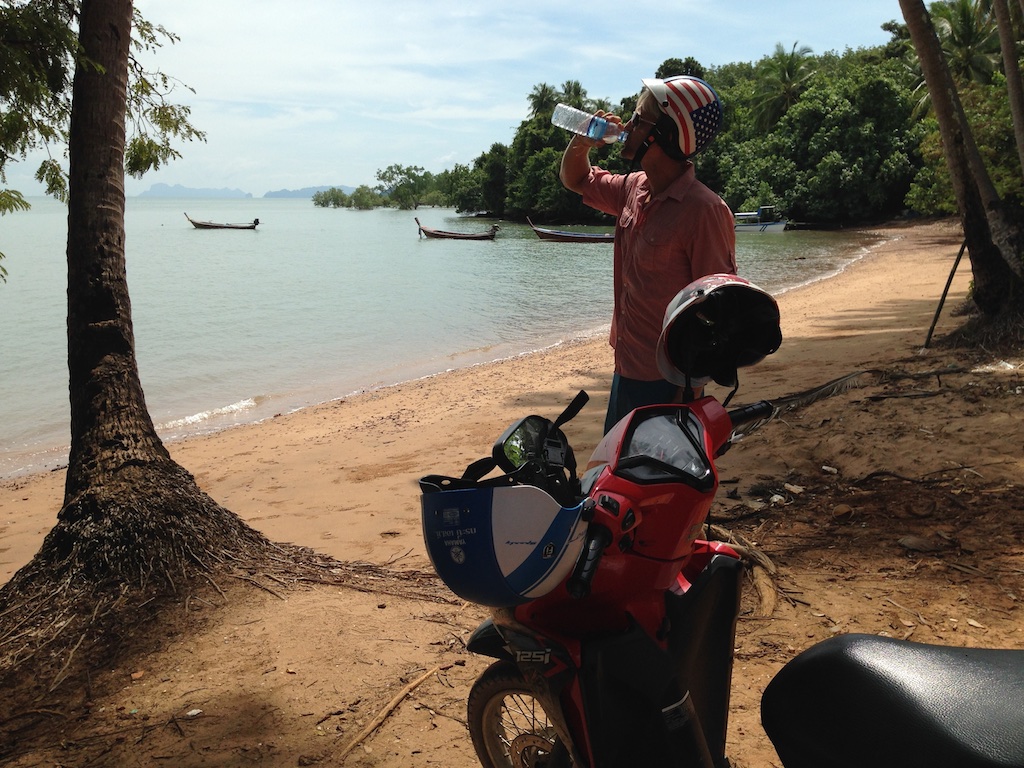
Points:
564	236
441	234
764	219
214	225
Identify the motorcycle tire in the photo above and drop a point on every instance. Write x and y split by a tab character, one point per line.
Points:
507	724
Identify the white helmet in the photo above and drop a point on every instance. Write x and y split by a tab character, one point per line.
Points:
715	325
694	111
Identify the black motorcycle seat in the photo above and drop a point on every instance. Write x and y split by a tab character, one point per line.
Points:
862	700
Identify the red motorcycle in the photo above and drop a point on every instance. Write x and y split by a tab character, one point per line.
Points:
612	621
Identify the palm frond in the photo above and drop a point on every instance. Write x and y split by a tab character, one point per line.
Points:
802	399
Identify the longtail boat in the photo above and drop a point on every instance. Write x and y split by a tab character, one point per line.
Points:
214	225
564	236
444	235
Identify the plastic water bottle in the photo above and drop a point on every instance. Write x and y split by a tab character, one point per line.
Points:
586	124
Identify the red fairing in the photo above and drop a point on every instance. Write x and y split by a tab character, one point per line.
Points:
654	527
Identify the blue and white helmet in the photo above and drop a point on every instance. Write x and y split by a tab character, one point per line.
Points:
499	546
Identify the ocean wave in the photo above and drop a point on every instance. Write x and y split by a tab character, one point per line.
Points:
203	417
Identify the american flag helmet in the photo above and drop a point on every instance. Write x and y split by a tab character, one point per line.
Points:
694	107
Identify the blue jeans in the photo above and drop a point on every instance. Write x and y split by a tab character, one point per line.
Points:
628	394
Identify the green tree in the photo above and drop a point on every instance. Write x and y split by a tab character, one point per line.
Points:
134	527
987	112
365	198
969	38
671	67
493	169
574	94
993	228
1011	70
462	187
403	185
781	78
331	198
543	99
845	151
39	51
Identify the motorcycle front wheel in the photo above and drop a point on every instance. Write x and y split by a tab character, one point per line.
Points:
508	726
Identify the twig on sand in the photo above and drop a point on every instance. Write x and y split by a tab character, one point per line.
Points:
391	707
261	586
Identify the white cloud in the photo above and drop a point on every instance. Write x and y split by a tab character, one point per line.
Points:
321	91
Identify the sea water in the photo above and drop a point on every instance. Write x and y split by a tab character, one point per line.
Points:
315	304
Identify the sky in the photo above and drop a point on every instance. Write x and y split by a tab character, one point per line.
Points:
327	92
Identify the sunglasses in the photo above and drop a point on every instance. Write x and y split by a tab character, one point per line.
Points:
637	119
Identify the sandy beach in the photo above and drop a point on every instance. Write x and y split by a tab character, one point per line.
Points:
291	681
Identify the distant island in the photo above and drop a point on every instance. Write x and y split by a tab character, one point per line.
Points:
178	191
309	191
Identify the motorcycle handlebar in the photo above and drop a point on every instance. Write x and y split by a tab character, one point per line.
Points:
747	414
598	538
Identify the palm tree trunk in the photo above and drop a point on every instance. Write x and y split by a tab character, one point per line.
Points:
1011	66
993	238
110	425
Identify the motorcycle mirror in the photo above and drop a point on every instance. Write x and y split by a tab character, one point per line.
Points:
521	442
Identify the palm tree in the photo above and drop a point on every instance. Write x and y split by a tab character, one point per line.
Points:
134	525
1011	68
574	94
969	37
782	77
993	232
543	99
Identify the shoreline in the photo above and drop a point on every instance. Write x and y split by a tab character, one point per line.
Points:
47	454
340	476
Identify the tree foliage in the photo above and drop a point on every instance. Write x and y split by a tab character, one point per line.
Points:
830	138
39	52
404	186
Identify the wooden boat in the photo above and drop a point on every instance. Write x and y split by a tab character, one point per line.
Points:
563	236
444	235
214	225
761	220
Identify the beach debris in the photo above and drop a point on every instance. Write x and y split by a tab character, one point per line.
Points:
829	470
193	713
842	513
391	707
1002	365
796	490
918	544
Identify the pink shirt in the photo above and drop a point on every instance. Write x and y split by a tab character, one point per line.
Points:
662	244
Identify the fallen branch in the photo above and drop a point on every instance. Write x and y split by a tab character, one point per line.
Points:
767	592
745	548
391	707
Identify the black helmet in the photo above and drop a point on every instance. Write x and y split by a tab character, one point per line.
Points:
714	326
